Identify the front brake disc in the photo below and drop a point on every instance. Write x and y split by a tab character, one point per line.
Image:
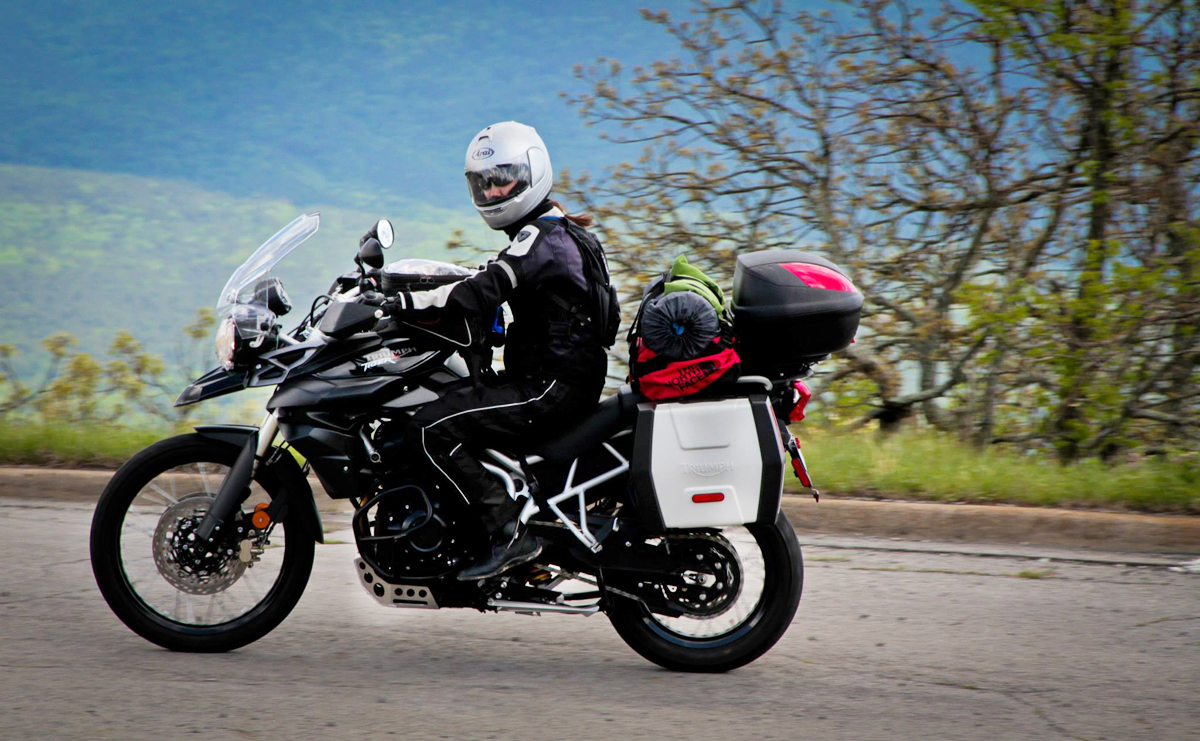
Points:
184	561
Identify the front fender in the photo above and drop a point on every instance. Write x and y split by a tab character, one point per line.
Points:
299	495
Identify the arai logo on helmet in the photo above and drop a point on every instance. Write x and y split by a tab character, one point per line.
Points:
482	154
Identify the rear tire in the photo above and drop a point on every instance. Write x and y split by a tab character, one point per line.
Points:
134	481
750	639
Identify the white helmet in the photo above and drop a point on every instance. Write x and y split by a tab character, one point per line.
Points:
508	172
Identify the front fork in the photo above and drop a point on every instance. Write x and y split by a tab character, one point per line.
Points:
266	436
236	486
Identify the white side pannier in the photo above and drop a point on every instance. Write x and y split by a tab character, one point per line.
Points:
707	463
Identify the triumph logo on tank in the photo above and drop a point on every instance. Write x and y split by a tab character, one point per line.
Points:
707	469
383	357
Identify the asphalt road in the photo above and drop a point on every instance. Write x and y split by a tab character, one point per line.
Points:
887	645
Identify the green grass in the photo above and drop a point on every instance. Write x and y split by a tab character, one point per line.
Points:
82	446
905	466
933	467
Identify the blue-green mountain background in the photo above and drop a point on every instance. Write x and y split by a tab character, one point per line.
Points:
146	148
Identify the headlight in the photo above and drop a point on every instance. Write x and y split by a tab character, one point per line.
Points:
226	343
246	327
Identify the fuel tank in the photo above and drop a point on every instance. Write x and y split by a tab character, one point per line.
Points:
370	379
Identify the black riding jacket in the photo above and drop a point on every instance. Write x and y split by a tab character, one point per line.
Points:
560	326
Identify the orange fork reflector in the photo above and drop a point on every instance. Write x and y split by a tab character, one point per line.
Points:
260	519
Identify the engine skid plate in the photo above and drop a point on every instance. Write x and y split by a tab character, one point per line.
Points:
393	595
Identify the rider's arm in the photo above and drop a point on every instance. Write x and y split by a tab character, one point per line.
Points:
520	263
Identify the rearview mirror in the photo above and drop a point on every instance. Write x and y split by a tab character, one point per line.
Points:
371	254
383	230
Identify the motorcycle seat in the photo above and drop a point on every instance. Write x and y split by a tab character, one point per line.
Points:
613	414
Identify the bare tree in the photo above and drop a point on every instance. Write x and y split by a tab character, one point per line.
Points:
1011	185
875	146
1118	297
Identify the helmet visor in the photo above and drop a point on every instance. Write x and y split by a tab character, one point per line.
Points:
499	183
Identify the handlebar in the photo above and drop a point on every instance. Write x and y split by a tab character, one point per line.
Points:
372	298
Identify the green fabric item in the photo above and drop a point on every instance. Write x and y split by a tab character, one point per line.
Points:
688	278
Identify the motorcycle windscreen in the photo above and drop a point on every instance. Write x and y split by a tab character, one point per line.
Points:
266	257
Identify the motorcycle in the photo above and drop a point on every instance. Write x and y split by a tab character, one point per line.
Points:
663	516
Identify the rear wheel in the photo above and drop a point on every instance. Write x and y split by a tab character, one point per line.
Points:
167	587
724	628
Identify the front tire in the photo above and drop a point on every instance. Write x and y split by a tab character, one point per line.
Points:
653	637
213	604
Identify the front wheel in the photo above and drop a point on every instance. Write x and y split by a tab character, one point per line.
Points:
724	628
162	582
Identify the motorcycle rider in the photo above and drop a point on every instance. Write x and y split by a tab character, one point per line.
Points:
555	279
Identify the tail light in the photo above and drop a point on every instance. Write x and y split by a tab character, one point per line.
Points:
819	276
800	396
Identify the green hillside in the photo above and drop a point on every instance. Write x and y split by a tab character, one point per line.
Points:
336	103
90	253
147	148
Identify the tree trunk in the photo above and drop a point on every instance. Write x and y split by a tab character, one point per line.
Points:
1069	430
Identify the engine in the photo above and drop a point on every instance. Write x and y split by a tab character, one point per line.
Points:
404	534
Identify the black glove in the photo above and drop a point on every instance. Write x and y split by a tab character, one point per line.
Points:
395	305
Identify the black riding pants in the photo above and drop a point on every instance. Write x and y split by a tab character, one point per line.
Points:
509	417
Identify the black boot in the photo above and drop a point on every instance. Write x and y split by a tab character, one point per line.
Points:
514	546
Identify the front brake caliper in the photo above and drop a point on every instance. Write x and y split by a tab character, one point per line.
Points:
251	547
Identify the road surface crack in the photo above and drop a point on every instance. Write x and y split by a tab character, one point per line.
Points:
1044	717
1156	621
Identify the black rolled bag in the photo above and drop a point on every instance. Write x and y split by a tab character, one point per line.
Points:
680	326
681	341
